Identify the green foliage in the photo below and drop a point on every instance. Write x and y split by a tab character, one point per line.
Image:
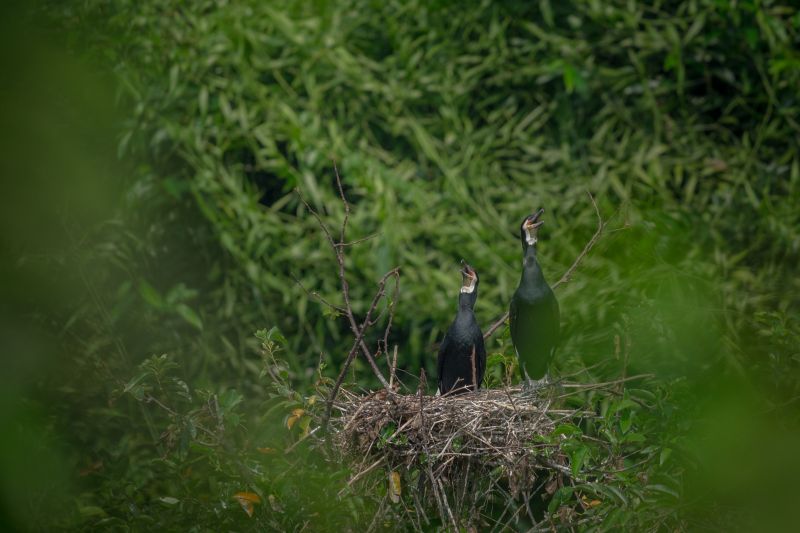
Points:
449	123
621	471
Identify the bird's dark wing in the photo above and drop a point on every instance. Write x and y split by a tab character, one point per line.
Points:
551	330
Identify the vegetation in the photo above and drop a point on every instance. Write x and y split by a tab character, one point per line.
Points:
166	357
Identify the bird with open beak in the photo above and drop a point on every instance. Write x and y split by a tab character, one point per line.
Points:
534	315
462	355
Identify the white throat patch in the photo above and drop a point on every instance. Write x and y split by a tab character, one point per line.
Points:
530	237
468	289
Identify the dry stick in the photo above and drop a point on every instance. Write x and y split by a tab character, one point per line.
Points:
447	506
600	226
363	473
392	301
589	386
338	250
317	296
393	369
474	371
513	403
568	274
359	241
350	356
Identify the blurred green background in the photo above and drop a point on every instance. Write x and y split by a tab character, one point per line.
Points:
148	228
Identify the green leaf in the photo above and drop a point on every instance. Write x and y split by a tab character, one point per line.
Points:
189	316
562	495
634	437
91	511
576	460
665	453
664	489
567	429
150	295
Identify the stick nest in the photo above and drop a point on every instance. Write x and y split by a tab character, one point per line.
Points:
500	432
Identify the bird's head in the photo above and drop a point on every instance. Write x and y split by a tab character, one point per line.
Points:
469	278
529	230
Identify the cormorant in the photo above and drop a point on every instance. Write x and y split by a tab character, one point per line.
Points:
533	313
462	356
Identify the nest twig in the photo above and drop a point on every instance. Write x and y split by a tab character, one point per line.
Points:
458	447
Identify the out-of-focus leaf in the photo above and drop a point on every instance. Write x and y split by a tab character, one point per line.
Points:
247	500
189	316
150	295
296	415
395	488
664	455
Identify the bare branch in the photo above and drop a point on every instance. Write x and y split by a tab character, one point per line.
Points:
338	250
318	297
381	292
359	241
495	325
568	274
475	384
393	368
600	226
391	308
344	201
319	219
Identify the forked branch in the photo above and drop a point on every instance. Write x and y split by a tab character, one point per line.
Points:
381	292
359	344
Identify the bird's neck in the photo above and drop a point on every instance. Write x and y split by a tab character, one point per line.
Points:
531	271
466	300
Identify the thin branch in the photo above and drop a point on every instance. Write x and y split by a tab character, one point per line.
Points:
362	474
317	296
344	201
475	384
359	241
381	292
393	368
301	439
600	226
320	222
338	250
588	386
495	325
391	306
446	505
568	274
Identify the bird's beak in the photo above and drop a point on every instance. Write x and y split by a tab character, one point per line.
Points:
468	277
531	227
533	222
467	270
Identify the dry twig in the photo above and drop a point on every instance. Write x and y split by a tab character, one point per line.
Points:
338	249
354	350
347	310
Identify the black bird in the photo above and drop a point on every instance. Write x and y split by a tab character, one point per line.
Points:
534	315
462	356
